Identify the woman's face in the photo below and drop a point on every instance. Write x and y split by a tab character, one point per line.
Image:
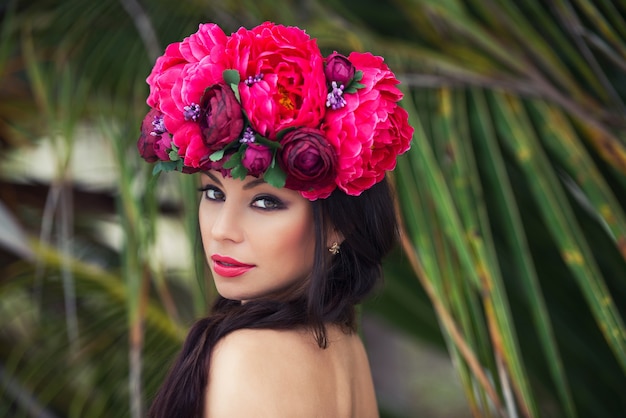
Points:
258	240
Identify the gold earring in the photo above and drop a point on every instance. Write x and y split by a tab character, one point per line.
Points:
334	249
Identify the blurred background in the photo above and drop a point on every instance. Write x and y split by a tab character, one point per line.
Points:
507	292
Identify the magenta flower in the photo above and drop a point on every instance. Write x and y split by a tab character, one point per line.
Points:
371	130
309	161
154	141
191	147
283	73
184	71
256	159
221	119
337	118
339	69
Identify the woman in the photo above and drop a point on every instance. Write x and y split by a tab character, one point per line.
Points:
295	216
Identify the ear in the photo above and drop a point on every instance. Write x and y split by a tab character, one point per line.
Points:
334	236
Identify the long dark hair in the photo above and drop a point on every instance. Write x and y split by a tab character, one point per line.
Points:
338	283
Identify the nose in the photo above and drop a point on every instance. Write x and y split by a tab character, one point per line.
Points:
226	224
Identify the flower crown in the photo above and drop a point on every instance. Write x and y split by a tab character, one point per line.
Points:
265	102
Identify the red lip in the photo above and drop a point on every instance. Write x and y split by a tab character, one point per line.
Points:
229	267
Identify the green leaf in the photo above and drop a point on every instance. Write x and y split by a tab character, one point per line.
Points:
165	166
353	87
231	77
354	84
235	89
275	176
239	172
217	155
235	159
173	155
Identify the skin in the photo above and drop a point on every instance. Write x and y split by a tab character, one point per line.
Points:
260	225
284	374
275	373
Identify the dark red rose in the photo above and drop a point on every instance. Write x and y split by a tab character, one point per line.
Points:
307	158
338	68
154	141
221	121
256	159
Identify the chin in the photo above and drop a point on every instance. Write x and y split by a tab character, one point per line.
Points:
227	292
231	295
236	291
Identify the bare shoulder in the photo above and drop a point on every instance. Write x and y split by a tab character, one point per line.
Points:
255	373
259	347
256	349
284	373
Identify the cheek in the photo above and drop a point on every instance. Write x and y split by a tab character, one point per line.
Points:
297	242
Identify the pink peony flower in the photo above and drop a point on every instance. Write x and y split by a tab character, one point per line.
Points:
206	42
309	162
370	128
256	159
284	73
164	74
337	137
191	147
187	68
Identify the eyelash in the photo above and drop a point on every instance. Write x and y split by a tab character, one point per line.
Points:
206	189
276	203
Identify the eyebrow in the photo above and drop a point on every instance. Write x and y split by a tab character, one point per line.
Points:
253	184
214	178
246	186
